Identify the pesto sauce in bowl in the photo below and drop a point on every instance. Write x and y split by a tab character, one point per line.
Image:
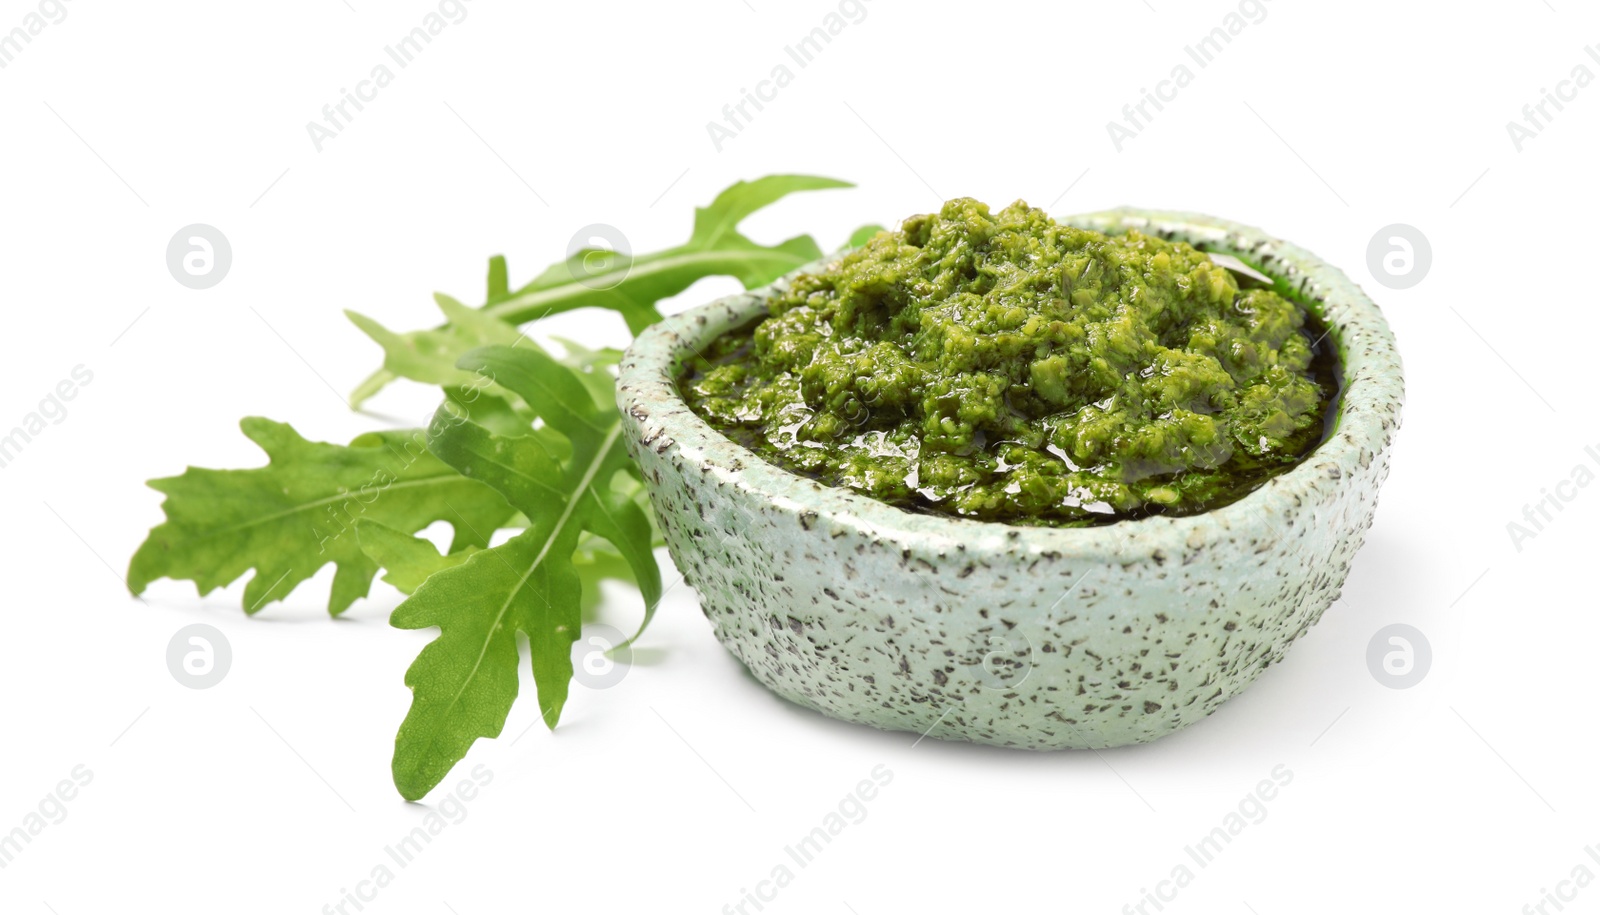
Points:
1005	367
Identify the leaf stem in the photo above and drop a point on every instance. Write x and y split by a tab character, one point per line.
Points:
539	303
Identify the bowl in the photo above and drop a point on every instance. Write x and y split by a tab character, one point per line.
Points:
1036	637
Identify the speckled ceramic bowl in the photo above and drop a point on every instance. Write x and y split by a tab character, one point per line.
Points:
1026	637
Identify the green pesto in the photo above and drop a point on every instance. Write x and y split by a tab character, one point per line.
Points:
1002	366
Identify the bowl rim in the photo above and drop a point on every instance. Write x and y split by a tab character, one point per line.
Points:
1369	404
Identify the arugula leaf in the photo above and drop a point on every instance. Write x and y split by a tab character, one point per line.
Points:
522	440
293	516
429	356
489	409
597	561
863	235
596	278
594	368
407	560
464	682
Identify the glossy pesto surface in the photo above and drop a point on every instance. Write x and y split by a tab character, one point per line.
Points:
1002	366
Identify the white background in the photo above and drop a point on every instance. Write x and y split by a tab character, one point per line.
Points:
678	789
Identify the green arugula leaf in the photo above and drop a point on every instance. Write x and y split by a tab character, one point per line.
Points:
523	440
595	369
863	235
464	682
295	515
596	278
597	561
489	409
407	560
429	356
